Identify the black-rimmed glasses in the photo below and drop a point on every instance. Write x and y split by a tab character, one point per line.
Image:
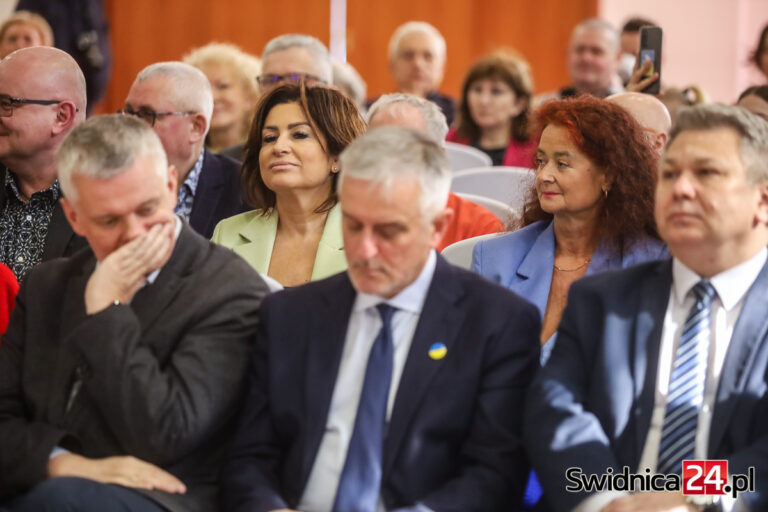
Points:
8	103
149	116
270	80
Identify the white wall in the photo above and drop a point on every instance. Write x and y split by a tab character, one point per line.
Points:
706	42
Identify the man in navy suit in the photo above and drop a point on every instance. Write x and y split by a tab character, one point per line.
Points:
398	384
666	361
176	100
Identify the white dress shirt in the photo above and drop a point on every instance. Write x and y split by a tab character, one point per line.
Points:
731	287
364	326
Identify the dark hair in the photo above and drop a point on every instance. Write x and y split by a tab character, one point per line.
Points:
512	70
761	91
635	24
329	113
616	146
761	48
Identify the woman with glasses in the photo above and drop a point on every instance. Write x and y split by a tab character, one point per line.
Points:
232	74
289	177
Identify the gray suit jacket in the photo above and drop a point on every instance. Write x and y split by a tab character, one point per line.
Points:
591	405
160	379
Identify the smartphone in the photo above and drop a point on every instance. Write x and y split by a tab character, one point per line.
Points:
650	48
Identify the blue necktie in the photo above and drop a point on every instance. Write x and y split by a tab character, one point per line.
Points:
358	489
686	385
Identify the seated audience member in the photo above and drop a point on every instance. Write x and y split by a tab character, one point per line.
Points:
760	55
590	210
175	99
666	361
9	287
494	109
289	173
650	113
232	74
293	57
123	365
755	100
417	63
629	42
23	29
469	219
414	370
593	59
42	97
349	81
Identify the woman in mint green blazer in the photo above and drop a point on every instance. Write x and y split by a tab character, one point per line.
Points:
289	177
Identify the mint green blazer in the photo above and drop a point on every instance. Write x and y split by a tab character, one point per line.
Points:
252	236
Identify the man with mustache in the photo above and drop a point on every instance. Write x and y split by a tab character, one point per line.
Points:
666	361
399	383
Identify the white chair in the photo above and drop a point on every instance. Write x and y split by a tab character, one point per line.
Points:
460	253
466	157
506	214
510	185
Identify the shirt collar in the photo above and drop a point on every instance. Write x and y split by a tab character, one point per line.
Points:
10	184
411	298
731	285
194	175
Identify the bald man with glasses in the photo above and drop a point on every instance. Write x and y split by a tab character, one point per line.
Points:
42	98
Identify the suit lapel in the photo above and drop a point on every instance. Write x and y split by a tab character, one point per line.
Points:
207	194
749	332
59	234
536	270
259	235
652	306
439	322
326	335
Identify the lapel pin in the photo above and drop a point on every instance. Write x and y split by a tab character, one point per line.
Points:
437	351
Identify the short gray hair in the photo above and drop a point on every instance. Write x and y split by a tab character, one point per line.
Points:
601	25
434	119
189	90
317	49
752	130
417	27
346	77
104	146
391	152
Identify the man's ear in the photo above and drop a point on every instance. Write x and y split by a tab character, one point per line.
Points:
198	128
66	112
71	215
761	213
173	181
440	224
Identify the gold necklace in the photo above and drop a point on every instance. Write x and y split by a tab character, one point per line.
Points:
572	269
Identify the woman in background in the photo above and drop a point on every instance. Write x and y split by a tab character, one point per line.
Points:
23	29
494	109
289	176
232	74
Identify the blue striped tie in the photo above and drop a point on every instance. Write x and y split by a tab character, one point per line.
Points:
360	479
686	385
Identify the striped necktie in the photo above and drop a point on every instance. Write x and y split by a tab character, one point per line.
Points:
686	384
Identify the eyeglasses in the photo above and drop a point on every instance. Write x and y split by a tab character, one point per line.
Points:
270	80
8	103
149	116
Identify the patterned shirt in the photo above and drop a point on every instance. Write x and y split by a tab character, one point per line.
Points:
188	188
24	226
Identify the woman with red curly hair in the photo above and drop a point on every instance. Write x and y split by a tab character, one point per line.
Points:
590	210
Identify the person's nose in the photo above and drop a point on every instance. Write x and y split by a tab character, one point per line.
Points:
133	228
544	174
684	186
281	145
367	248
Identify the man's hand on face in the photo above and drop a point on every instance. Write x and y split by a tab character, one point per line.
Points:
125	471
650	502
121	274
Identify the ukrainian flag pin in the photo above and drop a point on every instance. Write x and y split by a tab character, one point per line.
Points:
437	351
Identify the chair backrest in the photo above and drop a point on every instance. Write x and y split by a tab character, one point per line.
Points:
460	253
505	213
466	157
510	185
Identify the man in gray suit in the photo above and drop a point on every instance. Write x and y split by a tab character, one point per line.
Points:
668	361
123	366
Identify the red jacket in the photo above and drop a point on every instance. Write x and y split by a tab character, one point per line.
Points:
8	289
469	220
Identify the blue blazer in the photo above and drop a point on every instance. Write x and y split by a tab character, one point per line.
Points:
591	405
218	193
523	260
453	438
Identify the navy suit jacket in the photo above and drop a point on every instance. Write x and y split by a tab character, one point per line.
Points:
218	193
454	435
591	405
